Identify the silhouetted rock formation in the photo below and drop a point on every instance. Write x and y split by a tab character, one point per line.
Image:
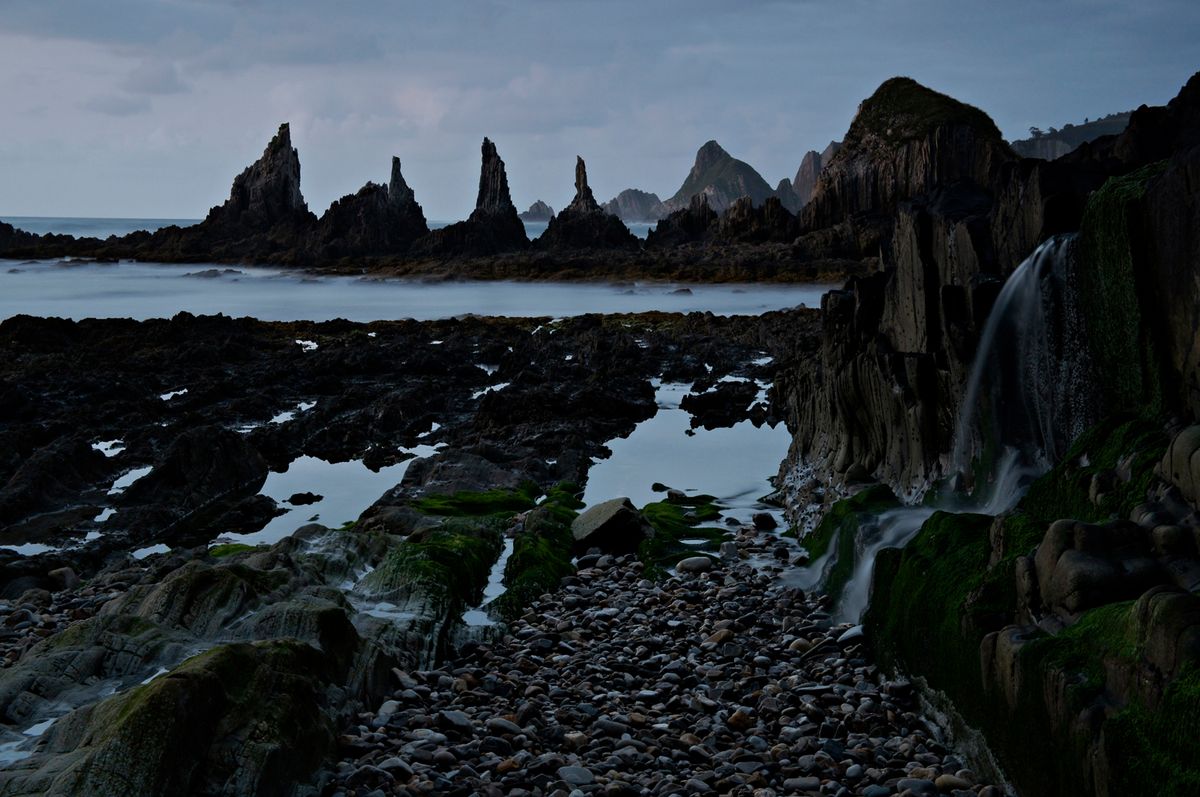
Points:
538	211
787	196
265	195
492	227
905	140
583	224
770	222
810	169
722	178
378	220
634	205
694	224
1056	143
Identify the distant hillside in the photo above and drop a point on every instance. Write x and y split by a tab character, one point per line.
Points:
634	205
1055	142
723	178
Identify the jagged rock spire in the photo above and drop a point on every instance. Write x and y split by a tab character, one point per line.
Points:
493	199
267	192
584	201
399	194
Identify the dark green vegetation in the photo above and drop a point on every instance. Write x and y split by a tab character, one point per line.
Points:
839	528
1131	443
1126	355
677	519
229	549
263	700
476	504
451	560
541	555
1072	135
901	109
956	583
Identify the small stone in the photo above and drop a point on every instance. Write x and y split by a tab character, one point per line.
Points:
950	783
576	776
694	564
740	720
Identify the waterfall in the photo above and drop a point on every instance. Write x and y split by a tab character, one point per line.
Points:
1030	373
1026	366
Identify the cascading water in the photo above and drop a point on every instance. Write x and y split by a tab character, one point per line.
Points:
1029	364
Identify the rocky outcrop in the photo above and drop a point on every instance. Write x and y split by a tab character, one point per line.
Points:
538	211
492	227
787	196
634	205
266	194
378	220
583	224
811	165
694	224
905	141
745	223
720	177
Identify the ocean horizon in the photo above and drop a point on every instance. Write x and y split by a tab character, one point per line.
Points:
100	227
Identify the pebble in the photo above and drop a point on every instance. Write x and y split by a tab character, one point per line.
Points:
725	681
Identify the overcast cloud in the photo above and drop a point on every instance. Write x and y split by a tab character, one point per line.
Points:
150	107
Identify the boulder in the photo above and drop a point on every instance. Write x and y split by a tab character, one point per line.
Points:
614	526
239	719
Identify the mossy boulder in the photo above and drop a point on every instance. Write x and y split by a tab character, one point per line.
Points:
239	719
613	526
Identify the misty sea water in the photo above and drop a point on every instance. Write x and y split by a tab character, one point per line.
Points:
83	227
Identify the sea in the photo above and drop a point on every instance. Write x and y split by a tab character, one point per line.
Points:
84	227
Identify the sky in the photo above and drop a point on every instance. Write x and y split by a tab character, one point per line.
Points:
148	108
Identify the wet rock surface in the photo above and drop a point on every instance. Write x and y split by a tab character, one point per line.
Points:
725	681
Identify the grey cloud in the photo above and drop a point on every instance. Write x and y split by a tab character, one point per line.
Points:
155	77
116	105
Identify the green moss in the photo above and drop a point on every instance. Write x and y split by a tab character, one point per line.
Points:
1120	339
176	734
475	504
839	527
903	109
229	549
1158	745
674	520
921	615
452	560
1138	442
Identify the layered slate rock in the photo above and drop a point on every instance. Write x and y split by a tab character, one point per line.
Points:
634	205
904	141
493	226
694	224
538	211
810	169
722	178
583	224
745	223
378	220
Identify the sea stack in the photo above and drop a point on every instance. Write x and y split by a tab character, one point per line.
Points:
378	220
583	224
267	192
493	226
